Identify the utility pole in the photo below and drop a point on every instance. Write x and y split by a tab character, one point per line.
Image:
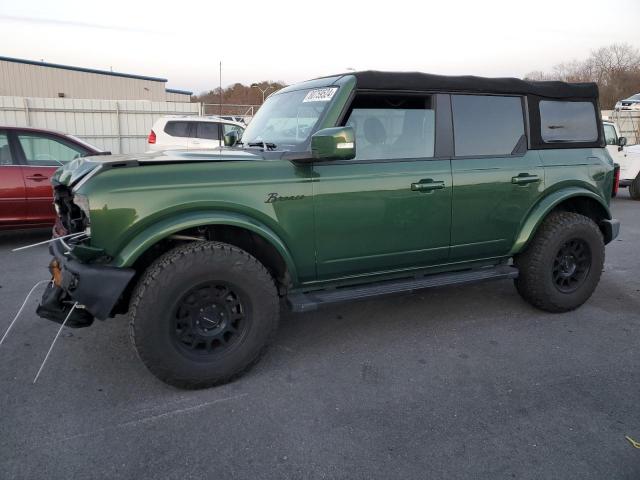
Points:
263	91
220	88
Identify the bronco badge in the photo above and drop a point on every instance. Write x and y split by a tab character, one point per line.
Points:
275	197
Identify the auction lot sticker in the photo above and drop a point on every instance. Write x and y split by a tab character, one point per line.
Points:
320	95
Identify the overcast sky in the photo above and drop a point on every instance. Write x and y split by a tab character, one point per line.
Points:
296	40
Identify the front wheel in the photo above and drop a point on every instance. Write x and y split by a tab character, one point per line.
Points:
202	314
561	267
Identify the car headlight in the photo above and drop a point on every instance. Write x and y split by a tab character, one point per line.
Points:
82	202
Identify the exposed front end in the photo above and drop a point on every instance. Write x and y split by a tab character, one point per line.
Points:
79	275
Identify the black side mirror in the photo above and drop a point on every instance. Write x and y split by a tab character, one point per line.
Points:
231	138
335	143
622	141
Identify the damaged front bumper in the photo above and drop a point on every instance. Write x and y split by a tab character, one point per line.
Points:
96	288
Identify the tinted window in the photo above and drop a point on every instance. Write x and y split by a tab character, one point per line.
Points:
208	130
47	151
610	135
5	151
486	125
392	126
568	121
177	129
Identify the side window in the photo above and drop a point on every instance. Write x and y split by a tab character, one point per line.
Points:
5	150
208	130
44	151
610	135
392	126
228	127
177	129
568	121
486	124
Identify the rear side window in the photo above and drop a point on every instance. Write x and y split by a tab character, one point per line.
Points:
562	122
177	129
5	150
487	124
208	130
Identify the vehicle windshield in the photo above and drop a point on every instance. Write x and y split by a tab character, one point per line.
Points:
287	119
635	97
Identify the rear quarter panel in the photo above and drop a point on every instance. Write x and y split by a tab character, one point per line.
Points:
568	173
589	168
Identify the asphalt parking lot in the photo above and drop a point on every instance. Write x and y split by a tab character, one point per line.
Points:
452	383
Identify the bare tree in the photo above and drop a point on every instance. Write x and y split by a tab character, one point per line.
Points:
616	70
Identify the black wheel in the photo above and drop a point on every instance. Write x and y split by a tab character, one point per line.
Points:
202	314
634	188
561	267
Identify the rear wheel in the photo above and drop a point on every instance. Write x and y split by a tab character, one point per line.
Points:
203	314
561	267
634	188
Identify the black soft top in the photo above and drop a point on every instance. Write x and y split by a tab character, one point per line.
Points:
417	81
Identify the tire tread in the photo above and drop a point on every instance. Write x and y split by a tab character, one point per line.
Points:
152	276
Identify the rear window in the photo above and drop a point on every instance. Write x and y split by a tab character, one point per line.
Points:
562	122
486	124
177	129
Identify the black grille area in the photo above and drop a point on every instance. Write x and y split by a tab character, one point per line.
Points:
71	216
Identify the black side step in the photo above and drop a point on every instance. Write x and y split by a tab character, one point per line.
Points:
304	302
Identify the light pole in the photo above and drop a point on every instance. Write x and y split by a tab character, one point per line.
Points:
263	91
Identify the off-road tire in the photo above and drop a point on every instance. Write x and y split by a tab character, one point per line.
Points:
634	188
536	282
158	295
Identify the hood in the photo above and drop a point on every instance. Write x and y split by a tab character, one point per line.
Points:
72	172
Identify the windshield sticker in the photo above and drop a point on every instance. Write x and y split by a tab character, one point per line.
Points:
320	95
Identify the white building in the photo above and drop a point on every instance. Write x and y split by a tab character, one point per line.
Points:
27	78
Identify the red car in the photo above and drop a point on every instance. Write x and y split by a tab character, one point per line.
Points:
28	158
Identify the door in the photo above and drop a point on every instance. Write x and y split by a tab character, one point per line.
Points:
389	209
496	180
618	154
207	136
176	135
12	190
41	155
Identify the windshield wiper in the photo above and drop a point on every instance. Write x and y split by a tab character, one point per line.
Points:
264	145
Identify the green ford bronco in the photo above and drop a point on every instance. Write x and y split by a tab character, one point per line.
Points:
341	188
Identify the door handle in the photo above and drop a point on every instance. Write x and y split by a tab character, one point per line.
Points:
525	179
427	185
37	177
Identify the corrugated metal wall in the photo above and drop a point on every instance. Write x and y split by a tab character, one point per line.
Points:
22	79
120	126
